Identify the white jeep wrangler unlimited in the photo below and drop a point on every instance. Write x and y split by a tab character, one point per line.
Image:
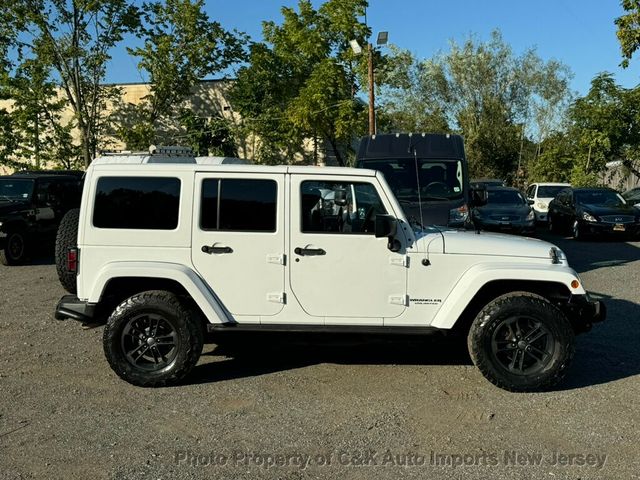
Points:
171	249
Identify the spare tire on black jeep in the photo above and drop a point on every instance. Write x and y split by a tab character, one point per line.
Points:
67	238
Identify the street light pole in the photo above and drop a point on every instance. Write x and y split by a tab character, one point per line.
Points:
372	107
355	46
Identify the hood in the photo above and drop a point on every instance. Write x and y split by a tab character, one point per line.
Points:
466	242
605	210
433	213
520	210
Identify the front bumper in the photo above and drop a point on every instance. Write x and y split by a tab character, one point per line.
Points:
541	216
584	312
610	228
72	307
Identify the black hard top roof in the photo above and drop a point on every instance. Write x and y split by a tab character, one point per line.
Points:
65	173
33	176
496	187
403	145
591	189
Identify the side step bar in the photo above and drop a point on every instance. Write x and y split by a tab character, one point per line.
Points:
298	328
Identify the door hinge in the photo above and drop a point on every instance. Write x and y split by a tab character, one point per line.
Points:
277	297
277	258
402	261
398	300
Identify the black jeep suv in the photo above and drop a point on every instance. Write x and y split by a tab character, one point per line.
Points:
31	207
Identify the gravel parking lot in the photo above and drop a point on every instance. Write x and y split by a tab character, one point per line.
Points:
282	407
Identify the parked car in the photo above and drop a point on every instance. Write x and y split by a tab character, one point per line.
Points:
31	207
632	196
506	210
593	211
541	194
170	252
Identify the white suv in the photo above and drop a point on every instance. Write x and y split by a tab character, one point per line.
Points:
169	251
540	194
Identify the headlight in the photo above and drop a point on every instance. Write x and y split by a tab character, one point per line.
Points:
531	215
588	217
459	214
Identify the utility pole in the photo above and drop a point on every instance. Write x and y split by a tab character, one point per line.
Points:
372	100
382	40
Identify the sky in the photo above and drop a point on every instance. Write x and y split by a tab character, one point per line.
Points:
579	33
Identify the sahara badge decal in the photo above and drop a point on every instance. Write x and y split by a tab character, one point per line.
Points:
425	301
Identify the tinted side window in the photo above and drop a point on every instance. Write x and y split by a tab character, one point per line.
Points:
64	193
339	207
150	203
244	205
43	189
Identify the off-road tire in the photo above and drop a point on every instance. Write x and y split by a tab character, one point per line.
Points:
8	256
521	305
159	303
67	238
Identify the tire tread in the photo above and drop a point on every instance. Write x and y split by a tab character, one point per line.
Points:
482	362
147	299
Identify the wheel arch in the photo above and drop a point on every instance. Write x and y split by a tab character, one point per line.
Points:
14	224
120	280
555	292
481	284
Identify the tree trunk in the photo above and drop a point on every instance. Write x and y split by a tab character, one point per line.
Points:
334	146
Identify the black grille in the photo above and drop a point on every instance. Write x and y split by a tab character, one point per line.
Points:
618	218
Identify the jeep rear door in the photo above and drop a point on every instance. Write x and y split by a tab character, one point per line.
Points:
238	240
338	269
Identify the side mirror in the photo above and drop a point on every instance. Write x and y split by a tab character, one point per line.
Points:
386	226
479	196
530	201
340	197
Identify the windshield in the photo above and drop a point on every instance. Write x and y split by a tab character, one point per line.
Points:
439	179
550	191
599	197
15	189
505	197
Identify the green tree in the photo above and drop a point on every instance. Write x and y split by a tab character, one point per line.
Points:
208	136
40	137
74	39
629	30
554	161
181	46
301	82
403	107
497	100
605	126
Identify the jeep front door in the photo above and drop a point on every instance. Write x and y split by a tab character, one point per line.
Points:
238	240
338	269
